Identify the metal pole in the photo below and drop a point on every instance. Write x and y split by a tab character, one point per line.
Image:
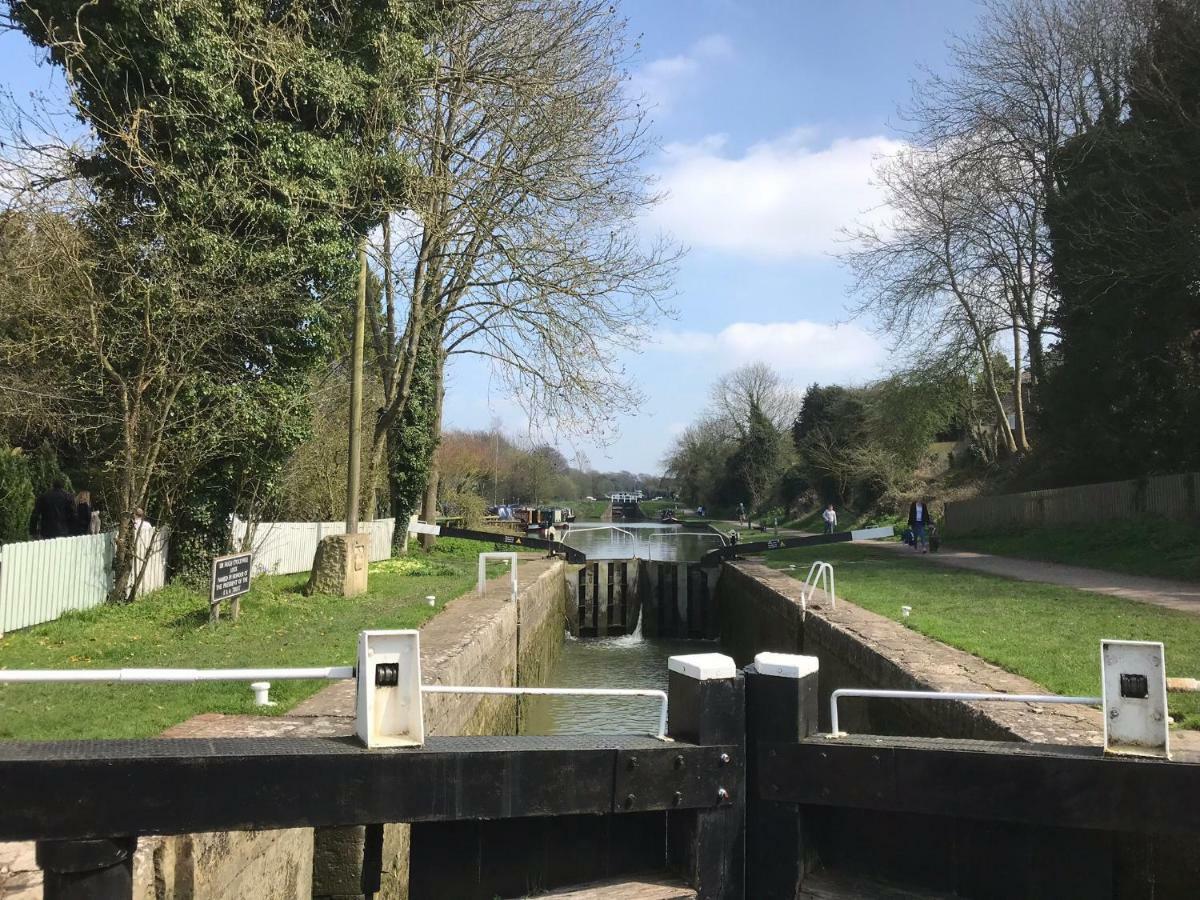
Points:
950	695
356	387
178	676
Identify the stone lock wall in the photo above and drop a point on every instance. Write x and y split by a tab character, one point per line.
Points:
760	609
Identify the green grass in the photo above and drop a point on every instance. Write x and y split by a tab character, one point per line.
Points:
847	520
278	626
1047	633
585	510
1144	547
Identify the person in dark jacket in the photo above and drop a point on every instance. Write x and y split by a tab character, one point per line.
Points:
83	513
919	521
53	513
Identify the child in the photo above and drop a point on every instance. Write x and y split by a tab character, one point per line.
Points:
830	517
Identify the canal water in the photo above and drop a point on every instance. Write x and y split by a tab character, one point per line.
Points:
628	661
647	540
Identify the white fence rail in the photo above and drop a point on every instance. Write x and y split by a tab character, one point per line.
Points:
281	548
40	580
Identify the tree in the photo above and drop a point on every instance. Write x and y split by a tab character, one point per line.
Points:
926	272
238	153
697	461
830	428
737	394
16	496
521	246
753	468
1029	77
1125	394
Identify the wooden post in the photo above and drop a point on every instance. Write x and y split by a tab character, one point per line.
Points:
781	708
99	869
706	846
354	461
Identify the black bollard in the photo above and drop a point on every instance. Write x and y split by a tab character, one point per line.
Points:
707	706
99	869
781	708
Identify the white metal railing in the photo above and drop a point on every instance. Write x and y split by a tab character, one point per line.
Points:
661	696
675	535
510	558
172	676
949	695
328	673
824	573
572	531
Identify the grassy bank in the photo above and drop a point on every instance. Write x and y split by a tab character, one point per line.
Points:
278	626
1146	547
1047	633
848	520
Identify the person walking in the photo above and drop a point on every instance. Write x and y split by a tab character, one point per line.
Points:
830	517
53	513
918	524
84	514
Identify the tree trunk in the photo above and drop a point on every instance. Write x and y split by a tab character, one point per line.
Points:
354	461
989	377
1018	398
429	506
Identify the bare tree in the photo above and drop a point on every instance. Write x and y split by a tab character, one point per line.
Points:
924	275
522	246
754	385
1030	77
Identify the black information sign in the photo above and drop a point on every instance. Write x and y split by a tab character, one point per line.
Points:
230	577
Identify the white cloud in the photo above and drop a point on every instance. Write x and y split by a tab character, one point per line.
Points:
661	81
781	199
814	350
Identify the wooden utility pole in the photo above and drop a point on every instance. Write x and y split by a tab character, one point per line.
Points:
356	392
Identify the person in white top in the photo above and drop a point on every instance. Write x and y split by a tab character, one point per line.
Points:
830	517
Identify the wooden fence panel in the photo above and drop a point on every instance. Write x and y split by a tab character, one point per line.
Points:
1169	496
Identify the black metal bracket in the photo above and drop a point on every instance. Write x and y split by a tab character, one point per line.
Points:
648	781
732	551
517	540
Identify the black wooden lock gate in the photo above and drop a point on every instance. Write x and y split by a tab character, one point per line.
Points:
746	800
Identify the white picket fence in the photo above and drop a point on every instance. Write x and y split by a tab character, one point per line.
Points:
40	580
281	548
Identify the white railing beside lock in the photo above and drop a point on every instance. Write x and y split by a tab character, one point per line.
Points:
948	695
824	573
511	558
330	673
173	676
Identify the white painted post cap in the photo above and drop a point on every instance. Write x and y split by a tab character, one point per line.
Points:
785	665
703	666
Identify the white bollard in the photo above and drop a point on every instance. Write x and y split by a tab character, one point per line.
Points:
262	690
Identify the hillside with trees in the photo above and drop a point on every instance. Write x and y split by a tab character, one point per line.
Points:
1037	274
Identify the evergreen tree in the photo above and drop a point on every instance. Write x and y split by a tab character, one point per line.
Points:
752	469
1124	397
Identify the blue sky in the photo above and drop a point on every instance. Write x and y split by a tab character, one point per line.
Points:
769	113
